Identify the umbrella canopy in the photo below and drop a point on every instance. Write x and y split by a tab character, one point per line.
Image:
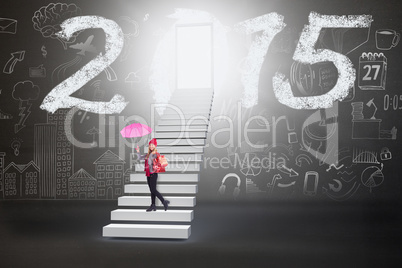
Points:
135	130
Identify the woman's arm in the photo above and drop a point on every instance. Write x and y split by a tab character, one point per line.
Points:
139	156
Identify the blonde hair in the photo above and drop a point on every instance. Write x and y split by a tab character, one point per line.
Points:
149	151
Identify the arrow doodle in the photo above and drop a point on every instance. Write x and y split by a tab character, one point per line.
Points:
344	197
333	188
271	185
304	157
282	185
289	171
334	166
345	172
15	57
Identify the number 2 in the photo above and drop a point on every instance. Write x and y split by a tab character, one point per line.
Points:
367	76
60	97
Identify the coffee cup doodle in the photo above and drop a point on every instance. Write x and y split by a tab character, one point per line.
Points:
386	39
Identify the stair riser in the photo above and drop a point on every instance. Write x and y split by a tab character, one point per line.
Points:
159	215
182	149
181	142
198	112
183	158
178	116
184	106
179	122
191	96
164	177
145	201
178	150
164	189
180	128
174	167
143	231
181	135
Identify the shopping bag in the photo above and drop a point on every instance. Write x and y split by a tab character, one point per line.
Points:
159	164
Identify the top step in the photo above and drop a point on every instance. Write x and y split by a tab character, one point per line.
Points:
193	91
185	116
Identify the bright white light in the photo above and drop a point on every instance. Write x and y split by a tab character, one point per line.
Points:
194	56
164	78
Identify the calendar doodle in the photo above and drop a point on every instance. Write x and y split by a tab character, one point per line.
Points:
372	71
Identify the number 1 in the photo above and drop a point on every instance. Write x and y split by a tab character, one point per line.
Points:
270	25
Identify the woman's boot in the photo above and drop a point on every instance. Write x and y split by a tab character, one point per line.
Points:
166	204
152	207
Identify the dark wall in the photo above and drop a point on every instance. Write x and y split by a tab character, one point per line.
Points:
347	152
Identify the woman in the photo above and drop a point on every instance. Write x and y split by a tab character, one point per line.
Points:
152	176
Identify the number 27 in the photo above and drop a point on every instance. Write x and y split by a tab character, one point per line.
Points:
367	77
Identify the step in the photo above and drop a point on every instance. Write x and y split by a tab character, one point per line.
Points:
195	108
181	105
180	128
177	116
179	158
174	167
162	188
190	96
211	90
181	142
184	94
190	108
147	231
145	201
180	149
200	112
158	215
200	99
186	104
190	149
183	91
195	103
178	122
180	134
166	177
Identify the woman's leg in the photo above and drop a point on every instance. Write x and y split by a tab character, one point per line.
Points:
152	186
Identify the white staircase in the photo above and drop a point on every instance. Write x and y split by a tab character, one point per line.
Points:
181	138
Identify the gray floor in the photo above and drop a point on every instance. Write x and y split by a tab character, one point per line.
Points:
69	234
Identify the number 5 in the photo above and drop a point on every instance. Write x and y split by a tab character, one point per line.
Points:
305	53
60	97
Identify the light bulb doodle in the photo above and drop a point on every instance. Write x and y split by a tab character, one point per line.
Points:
16	145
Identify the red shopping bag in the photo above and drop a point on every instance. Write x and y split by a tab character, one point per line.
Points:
160	163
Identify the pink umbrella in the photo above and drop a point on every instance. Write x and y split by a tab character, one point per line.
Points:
135	130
